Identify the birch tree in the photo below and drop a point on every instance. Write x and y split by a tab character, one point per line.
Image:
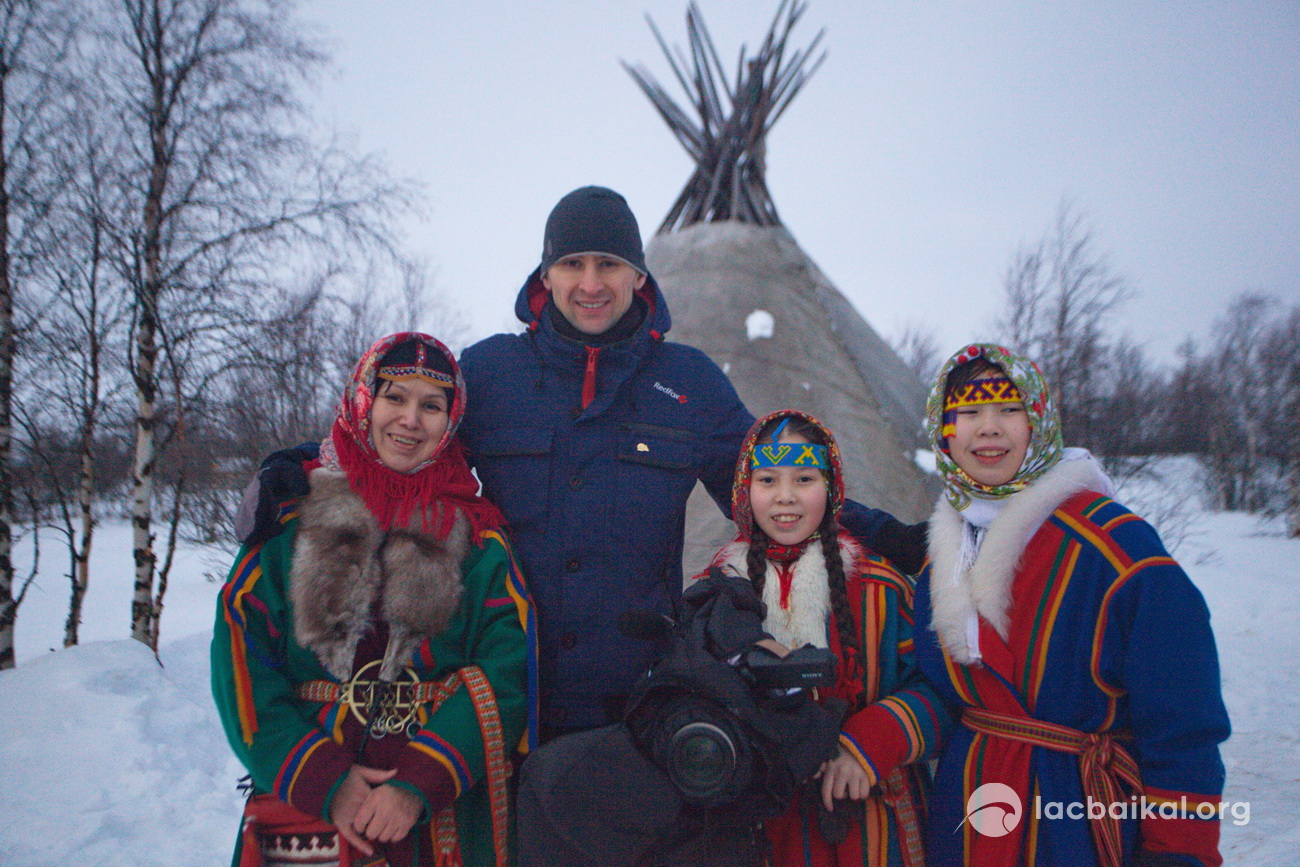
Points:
227	189
1060	293
77	355
34	37
1235	424
1280	362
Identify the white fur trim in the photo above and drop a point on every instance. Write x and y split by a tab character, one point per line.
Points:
986	588
807	619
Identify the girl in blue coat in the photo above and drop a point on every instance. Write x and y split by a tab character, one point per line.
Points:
1076	650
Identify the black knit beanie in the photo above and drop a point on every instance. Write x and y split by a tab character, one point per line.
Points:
592	220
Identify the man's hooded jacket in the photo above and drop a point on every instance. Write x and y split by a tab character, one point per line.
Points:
591	452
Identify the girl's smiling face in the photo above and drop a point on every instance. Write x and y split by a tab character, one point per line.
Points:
788	502
990	441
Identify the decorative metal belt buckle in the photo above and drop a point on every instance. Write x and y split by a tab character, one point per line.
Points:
384	707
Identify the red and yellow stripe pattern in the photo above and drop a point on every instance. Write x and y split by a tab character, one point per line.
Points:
234	598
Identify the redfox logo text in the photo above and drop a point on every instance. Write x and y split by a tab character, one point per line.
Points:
994	810
680	398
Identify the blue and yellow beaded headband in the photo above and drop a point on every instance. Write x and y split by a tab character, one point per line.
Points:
808	455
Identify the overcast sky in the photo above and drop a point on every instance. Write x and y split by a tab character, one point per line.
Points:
936	139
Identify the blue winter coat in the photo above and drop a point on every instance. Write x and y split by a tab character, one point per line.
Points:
595	497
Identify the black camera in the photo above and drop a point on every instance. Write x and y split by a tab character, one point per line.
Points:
802	668
716	737
714	751
734	726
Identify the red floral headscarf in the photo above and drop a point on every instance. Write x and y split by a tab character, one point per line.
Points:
742	511
435	490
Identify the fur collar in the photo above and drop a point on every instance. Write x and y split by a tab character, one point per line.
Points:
807	619
347	571
986	589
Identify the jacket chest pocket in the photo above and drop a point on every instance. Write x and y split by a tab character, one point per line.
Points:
514	465
656	471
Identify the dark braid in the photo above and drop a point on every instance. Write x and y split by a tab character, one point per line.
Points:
756	560
843	614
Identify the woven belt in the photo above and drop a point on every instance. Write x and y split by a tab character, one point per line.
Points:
446	843
1103	764
385	707
898	792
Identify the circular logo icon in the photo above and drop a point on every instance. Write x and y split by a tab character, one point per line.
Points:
993	810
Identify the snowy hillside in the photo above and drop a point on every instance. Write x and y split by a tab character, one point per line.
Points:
111	759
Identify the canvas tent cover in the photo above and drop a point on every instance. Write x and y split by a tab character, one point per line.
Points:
821	357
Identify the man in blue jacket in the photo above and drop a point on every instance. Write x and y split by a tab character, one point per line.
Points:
589	431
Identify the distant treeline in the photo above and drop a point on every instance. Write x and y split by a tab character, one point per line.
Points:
189	268
1233	402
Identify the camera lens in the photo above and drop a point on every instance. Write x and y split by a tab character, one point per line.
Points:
702	760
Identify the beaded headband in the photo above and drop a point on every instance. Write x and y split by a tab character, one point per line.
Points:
402	374
777	454
992	389
790	455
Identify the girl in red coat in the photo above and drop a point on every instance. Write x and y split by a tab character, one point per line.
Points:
823	588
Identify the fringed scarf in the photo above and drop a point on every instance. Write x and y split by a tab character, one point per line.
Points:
428	497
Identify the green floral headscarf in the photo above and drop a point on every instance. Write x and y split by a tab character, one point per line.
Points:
1045	445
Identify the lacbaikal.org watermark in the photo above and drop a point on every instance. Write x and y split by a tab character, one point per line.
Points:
994	810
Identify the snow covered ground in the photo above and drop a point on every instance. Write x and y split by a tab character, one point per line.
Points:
111	758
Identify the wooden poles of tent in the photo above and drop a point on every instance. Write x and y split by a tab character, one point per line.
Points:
728	141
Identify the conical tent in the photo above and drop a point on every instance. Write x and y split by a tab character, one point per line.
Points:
741	289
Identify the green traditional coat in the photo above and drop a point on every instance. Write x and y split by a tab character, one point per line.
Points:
300	749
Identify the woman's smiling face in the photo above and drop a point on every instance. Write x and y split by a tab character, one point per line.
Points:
990	441
407	421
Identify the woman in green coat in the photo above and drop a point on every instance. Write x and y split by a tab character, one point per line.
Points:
373	665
